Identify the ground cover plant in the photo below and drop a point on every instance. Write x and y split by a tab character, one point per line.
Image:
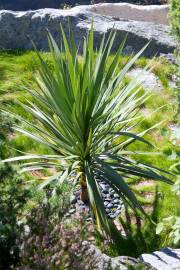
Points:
13	197
16	68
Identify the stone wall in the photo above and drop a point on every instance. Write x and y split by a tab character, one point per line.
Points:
17	29
37	4
155	14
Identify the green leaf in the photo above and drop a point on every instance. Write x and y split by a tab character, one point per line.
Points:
159	228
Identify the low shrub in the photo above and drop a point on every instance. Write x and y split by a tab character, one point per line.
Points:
13	197
52	243
169	226
175	18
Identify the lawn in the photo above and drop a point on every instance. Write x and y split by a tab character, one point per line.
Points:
17	69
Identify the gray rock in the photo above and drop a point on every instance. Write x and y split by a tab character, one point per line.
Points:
149	80
105	191
103	186
117	212
80	202
108	199
110	205
96	260
17	29
119	207
73	199
166	259
116	201
112	216
113	206
170	57
72	211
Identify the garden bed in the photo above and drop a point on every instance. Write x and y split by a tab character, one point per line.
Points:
17	67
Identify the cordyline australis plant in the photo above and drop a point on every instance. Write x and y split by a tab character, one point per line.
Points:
84	112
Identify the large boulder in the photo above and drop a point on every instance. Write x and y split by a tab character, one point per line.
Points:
91	258
36	4
17	29
165	259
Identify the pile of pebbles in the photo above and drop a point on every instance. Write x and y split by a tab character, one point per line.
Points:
112	202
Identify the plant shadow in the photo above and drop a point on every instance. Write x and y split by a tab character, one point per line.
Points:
140	235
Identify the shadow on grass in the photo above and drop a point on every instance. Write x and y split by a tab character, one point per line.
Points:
140	235
15	52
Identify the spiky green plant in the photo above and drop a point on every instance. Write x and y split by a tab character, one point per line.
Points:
85	112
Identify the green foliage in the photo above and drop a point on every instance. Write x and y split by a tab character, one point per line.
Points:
175	18
13	197
140	234
176	187
52	242
85	113
169	227
175	26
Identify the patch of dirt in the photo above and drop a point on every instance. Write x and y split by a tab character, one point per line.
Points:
147	194
145	183
146	112
11	136
38	174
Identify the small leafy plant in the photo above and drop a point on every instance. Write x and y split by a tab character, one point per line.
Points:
85	113
174	18
13	197
171	227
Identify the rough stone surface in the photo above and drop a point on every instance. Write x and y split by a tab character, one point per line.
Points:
101	261
36	4
166	259
149	80
17	29
151	13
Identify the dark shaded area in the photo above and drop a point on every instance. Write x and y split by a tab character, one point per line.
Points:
36	4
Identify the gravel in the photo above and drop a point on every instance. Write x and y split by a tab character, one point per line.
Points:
112	202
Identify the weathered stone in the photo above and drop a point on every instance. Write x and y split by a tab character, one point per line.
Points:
17	29
166	259
110	205
116	201
149	80
71	211
150	13
73	199
101	261
35	4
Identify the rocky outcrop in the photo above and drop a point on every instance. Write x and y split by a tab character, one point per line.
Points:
155	14
17	29
149	80
36	4
166	259
93	259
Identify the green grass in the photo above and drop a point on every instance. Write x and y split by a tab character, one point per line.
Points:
19	68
